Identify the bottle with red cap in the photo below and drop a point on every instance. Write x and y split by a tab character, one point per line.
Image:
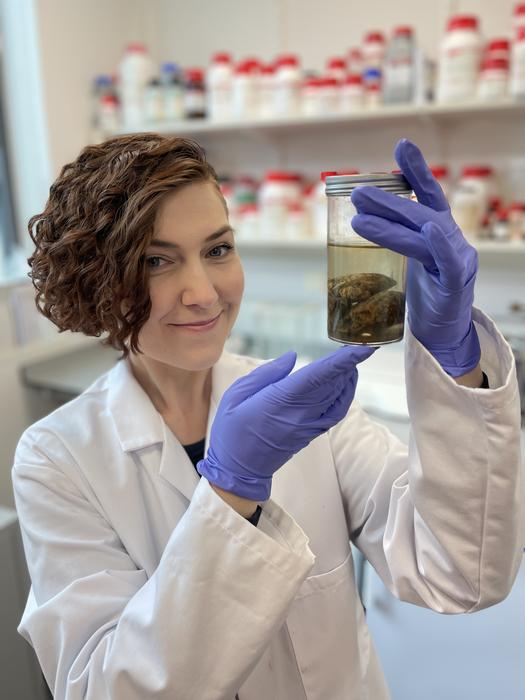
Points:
245	89
279	190
373	50
441	173
517	71
493	79
336	68
194	94
459	59
352	93
471	198
219	87
287	86
399	74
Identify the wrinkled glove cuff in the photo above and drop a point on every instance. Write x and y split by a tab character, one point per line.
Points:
254	488
461	359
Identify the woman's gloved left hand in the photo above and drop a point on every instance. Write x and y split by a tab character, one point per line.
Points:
442	265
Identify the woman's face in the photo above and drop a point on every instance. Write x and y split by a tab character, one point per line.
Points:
196	280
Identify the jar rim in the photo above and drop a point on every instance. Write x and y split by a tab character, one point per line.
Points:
344	184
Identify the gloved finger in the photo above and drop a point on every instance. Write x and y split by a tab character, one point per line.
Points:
372	200
451	266
413	166
301	385
395	237
341	405
261	377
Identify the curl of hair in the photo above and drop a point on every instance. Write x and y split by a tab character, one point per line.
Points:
88	265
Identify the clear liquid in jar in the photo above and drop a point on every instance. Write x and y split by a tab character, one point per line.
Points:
366	298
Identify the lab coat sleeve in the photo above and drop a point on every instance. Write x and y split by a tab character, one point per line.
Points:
194	629
441	520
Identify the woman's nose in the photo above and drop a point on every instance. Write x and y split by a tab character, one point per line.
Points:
198	288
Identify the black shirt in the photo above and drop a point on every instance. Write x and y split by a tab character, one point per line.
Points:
195	452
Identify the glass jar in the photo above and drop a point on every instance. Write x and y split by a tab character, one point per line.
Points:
366	282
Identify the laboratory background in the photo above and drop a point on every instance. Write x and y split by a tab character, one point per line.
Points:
280	93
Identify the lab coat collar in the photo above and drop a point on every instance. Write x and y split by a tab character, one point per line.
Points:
138	424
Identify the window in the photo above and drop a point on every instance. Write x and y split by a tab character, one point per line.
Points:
8	238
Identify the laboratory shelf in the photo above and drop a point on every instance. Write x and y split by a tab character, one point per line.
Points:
385	113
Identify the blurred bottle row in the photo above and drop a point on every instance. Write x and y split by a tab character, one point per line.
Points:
382	70
289	206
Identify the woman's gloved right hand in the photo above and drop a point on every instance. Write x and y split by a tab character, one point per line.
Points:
267	416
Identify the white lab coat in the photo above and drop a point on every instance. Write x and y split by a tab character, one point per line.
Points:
145	584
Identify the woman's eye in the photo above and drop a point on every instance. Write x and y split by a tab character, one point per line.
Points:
155	258
220	250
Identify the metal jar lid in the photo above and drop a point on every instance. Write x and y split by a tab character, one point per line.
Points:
337	185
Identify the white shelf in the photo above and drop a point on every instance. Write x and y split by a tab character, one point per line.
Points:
511	247
475	108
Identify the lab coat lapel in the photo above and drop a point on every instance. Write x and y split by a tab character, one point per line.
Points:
175	465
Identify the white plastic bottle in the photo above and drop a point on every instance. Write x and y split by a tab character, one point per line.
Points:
493	79
312	97
135	71
352	93
336	68
287	86
266	90
469	202
517	70
399	73
373	50
459	59
279	190
245	94
219	78
330	91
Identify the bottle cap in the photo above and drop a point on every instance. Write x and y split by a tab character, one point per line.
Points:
404	30
353	79
336	63
519	9
136	47
462	22
439	171
280	176
195	74
222	57
375	36
288	59
498	45
327	173
476	171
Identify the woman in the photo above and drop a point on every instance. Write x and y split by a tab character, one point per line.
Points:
151	582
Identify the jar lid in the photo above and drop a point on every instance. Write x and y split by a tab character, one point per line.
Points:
519	9
221	57
337	185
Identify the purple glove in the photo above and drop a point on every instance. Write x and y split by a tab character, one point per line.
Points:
442	266
267	416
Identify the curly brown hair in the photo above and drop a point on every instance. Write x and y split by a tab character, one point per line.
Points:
88	266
